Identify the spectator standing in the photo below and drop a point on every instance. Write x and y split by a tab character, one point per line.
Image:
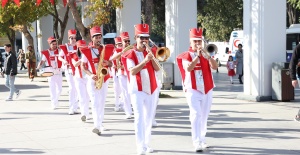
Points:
240	62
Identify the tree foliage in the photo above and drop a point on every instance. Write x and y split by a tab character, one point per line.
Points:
98	10
220	17
293	11
13	18
158	22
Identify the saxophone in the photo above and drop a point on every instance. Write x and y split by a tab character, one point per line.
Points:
101	71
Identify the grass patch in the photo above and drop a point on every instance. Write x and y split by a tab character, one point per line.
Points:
161	95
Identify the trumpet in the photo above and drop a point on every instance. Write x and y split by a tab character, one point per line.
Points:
208	50
162	53
155	60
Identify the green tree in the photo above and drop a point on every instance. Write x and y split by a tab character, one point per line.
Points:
219	17
293	11
158	21
98	10
14	18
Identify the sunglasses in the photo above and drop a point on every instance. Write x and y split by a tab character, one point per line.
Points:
127	41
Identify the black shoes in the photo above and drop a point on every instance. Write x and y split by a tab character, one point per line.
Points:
83	118
97	131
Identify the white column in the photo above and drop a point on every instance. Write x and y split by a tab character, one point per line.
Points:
180	17
264	43
85	20
128	16
45	30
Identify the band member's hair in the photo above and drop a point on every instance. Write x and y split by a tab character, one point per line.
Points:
78	53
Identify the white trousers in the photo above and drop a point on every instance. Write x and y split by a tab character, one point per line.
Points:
117	90
98	97
55	85
127	102
143	114
155	100
199	105
80	84
73	105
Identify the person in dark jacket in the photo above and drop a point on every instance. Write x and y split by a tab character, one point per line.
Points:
295	72
10	70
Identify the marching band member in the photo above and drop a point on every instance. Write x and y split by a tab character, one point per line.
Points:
195	68
115	75
65	51
123	78
141	68
50	58
80	80
89	64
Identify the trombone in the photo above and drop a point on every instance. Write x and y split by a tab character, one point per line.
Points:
154	58
162	53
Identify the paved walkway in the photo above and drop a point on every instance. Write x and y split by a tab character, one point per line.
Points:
28	125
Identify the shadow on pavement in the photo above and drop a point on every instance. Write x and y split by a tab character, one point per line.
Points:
19	151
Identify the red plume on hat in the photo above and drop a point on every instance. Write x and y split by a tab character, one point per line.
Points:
51	39
142	30
71	32
118	40
124	35
196	34
80	43
96	30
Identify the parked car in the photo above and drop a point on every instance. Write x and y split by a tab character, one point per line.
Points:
2	52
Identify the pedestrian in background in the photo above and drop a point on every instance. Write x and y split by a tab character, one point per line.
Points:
22	59
10	69
230	67
295	72
31	62
239	62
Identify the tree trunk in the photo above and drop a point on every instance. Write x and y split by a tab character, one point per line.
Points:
27	36
84	32
148	12
11	35
63	25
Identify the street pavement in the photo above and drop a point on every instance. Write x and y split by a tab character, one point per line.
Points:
28	125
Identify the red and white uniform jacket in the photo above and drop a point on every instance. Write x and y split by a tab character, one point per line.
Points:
90	56
118	67
144	80
51	59
200	78
76	71
65	51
